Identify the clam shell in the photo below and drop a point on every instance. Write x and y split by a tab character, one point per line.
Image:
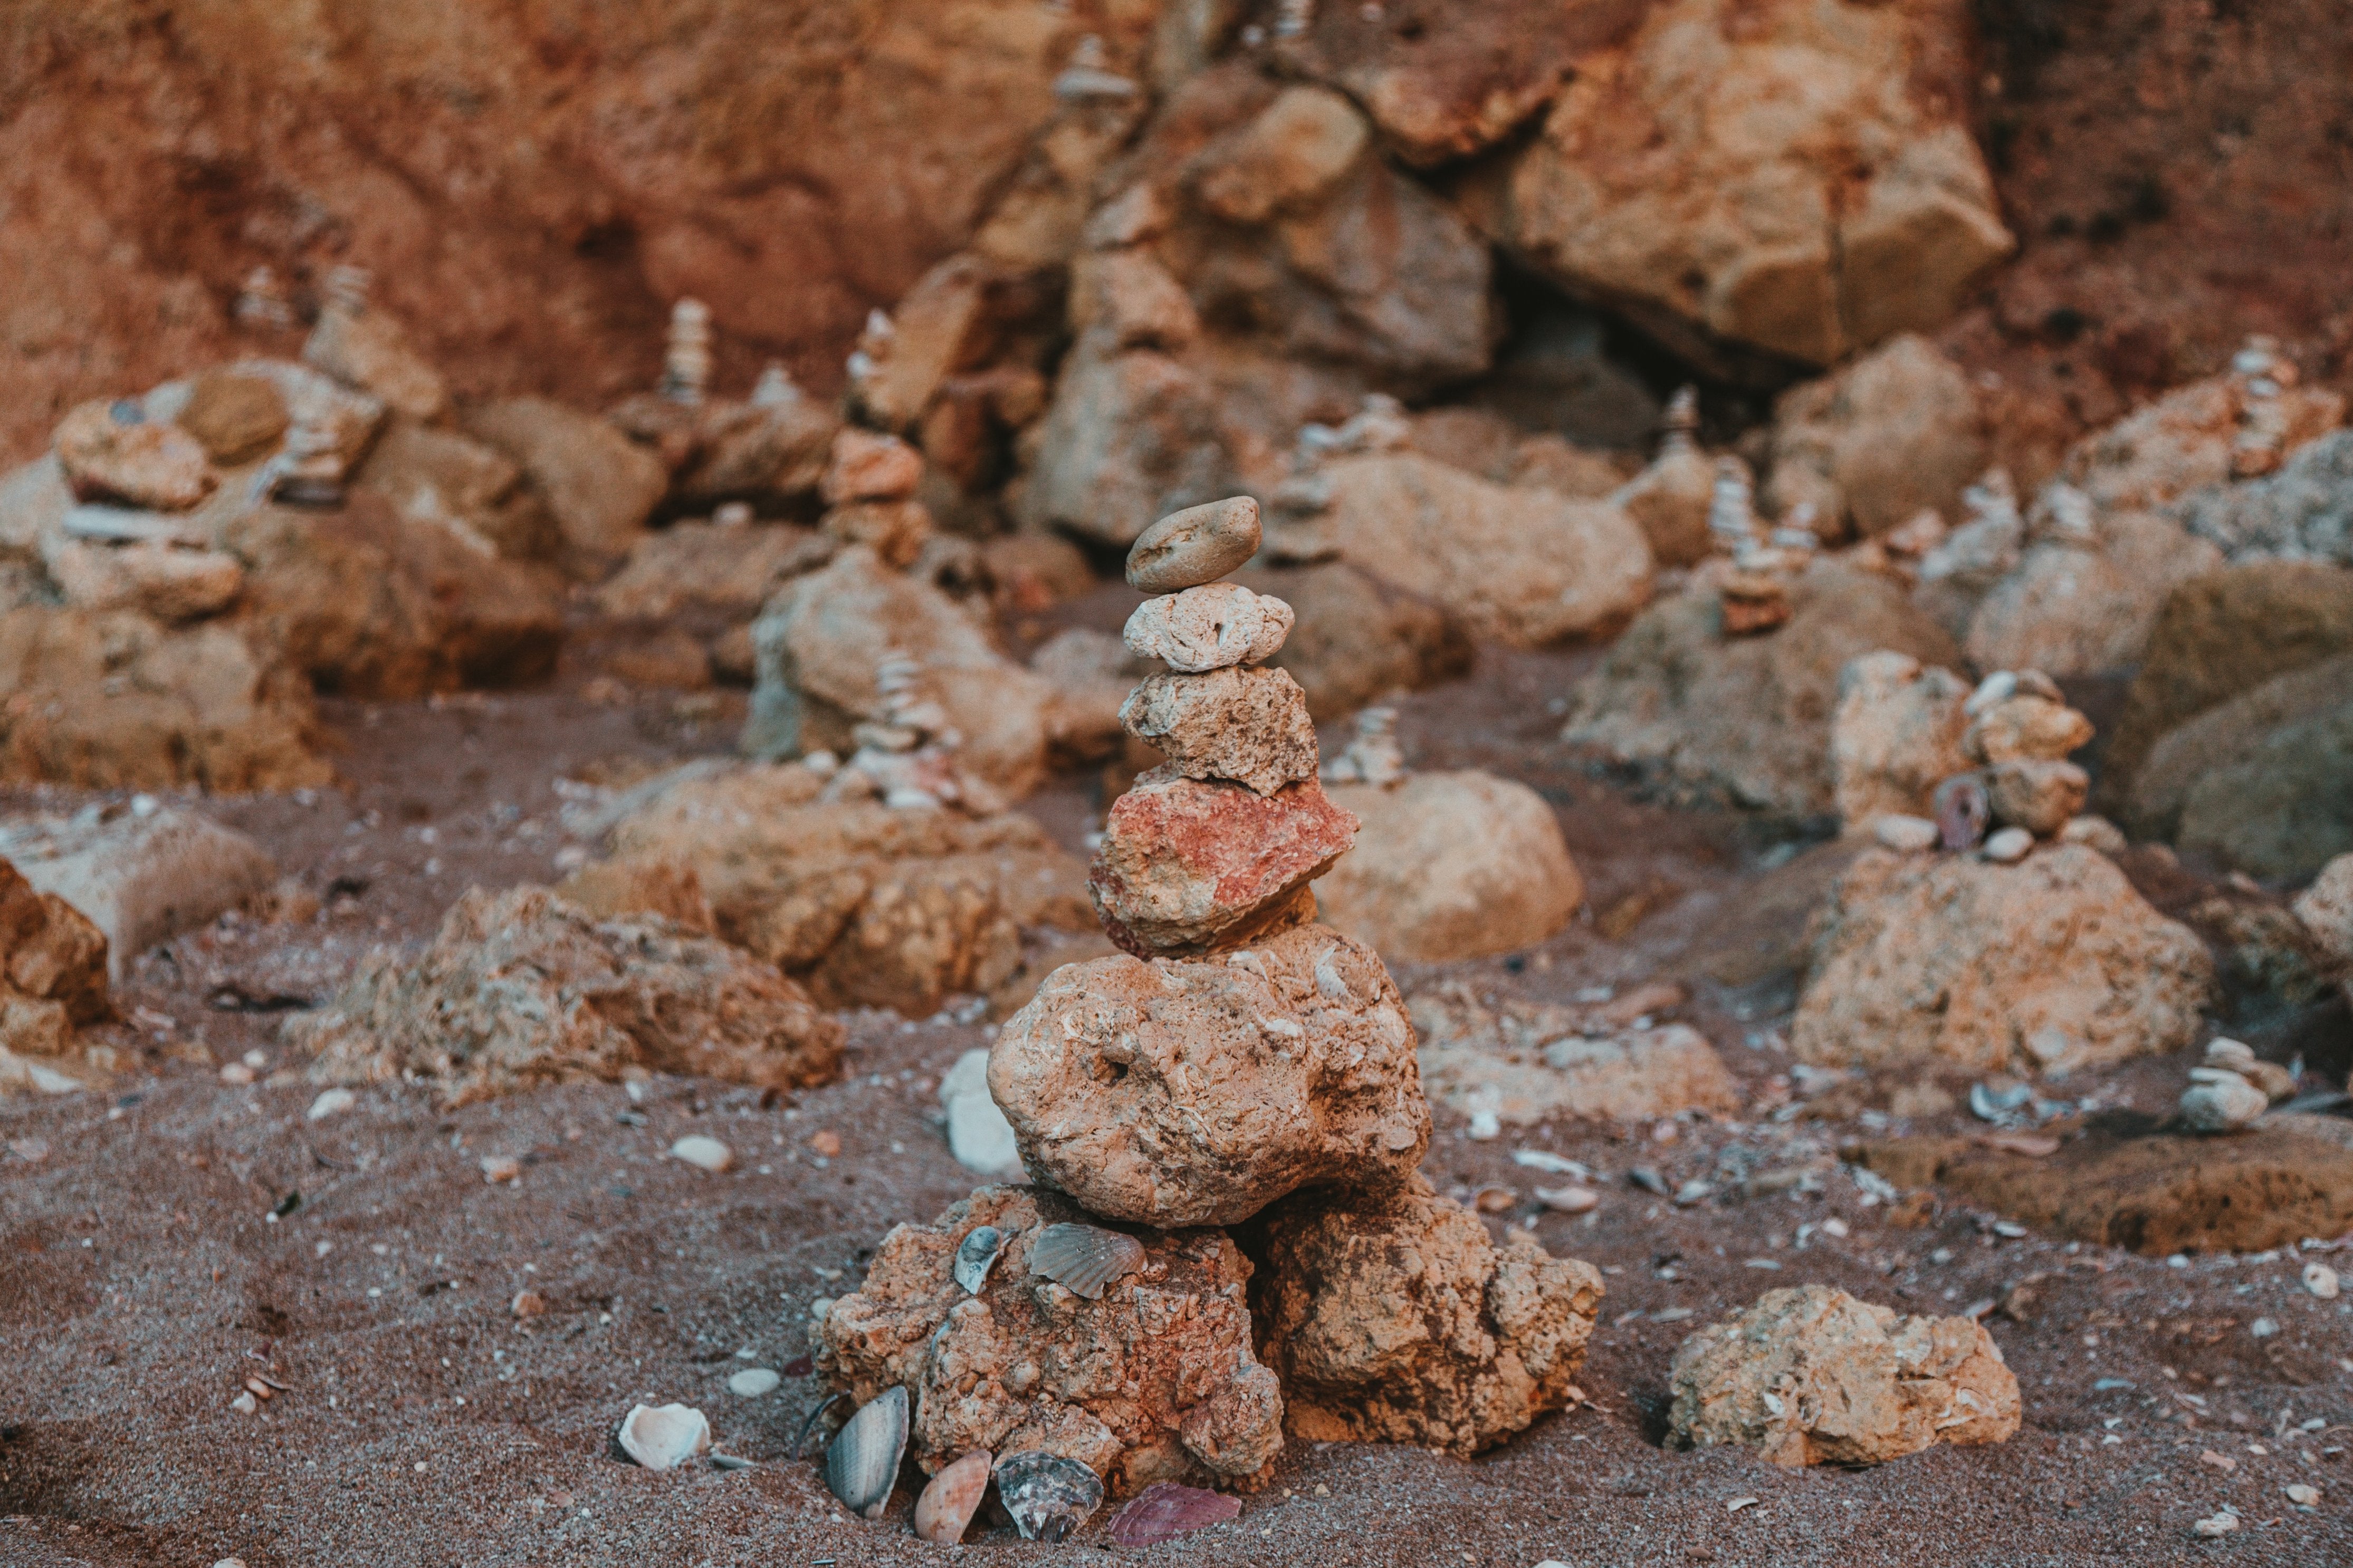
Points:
861	1463
952	1498
1048	1495
662	1437
1084	1257
1164	1510
975	1254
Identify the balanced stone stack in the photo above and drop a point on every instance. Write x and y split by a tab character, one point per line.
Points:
1235	1065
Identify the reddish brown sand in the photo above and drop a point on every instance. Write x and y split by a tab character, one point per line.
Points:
141	1280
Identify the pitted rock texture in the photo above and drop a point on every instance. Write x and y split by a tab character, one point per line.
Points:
1157	1381
2182	443
1197	1092
1396	1319
1812	1375
1897	736
520	988
52	969
2051	964
1529	1062
1247	726
1188	866
1214	627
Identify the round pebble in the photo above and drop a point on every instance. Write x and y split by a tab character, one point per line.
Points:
1197	546
753	1382
2321	1280
2009	846
708	1153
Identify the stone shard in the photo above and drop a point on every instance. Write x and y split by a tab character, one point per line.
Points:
1197	546
1897	737
520	988
1197	1092
2048	964
1243	725
1396	1319
111	450
1812	1375
142	878
1156	1381
1189	865
1213	626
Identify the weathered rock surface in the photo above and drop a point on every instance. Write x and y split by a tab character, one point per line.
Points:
771	458
709	575
1529	1062
369	350
1896	431
1790	177
1897	737
520	988
2086	606
1747	718
445	479
235	417
1669	501
2326	908
2039	795
111	450
2051	963
1243	725
1357	638
53	968
1214	627
2211	756
140	877
1523	566
1131	435
1156	1381
1197	546
1189	865
2303	513
1812	1375
174	585
600	486
1396	1319
2185	441
1450	865
1197	1092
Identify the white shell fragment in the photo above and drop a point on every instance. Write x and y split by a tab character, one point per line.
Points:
1568	1200
705	1153
975	1254
662	1437
1048	1495
861	1463
753	1382
1208	628
1084	1258
331	1102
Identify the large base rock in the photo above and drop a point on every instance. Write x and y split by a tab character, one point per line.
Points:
1197	1092
1812	1375
1398	1320
140	878
2051	963
1156	1381
521	988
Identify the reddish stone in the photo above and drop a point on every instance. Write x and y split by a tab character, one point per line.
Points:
1190	866
868	466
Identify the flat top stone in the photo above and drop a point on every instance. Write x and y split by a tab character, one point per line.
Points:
1197	546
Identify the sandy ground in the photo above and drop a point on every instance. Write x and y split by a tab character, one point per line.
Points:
142	1278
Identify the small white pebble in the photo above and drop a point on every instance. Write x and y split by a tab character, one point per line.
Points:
1736	1504
1905	834
330	1101
2009	847
2301	1495
2321	1280
753	1382
2221	1523
2264	1328
501	1168
707	1153
1484	1126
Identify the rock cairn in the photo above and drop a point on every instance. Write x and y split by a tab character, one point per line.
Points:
1237	1063
686	356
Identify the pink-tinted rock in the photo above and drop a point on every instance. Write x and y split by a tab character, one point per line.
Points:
870	467
1189	865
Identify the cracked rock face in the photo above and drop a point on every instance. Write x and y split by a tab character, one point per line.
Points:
1190	866
1197	1092
1398	1320
1156	1381
1813	1375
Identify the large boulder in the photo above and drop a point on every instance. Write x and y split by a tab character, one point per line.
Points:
2086	605
2052	964
769	457
1133	434
1795	176
1745	719
1152	1377
521	988
1197	1092
2264	780
708	576
1449	866
1356	638
599	485
1897	431
1897	737
1398	1320
141	877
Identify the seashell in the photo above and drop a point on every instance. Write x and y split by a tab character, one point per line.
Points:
951	1497
1084	1257
1164	1510
975	1254
662	1437
1962	811
1987	1103
1568	1200
861	1463
1048	1495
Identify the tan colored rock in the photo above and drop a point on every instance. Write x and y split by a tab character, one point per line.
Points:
1248	726
1812	1375
111	450
1156	1381
2212	759
53	967
1523	566
1198	1092
2040	797
896	531
237	418
440	478
1791	177
1450	865
140	877
1133	300
1200	544
868	466
176	586
2086	606
1131	437
1214	627
1894	432
2025	728
369	350
2184	441
1093	674
1398	1320
2043	967
1191	866
2326	908
1669	501
520	988
2304	511
1358	638
342	420
1530	1062
600	486
772	456
1897	737
709	575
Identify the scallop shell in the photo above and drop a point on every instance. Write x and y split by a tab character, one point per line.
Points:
1164	1510
975	1254
1048	1495
861	1463
662	1437
1084	1257
952	1498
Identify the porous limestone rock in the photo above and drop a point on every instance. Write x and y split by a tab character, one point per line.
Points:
2086	605
1357	638
2051	963
2326	908
1450	865
520	988
1529	1062
2025	726
1897	431
2184	442
111	450
1156	1380
2039	795
599	485
53	968
1188	866
1197	1092
1897	737
1395	1319
1247	726
1213	626
140	876
1810	1375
